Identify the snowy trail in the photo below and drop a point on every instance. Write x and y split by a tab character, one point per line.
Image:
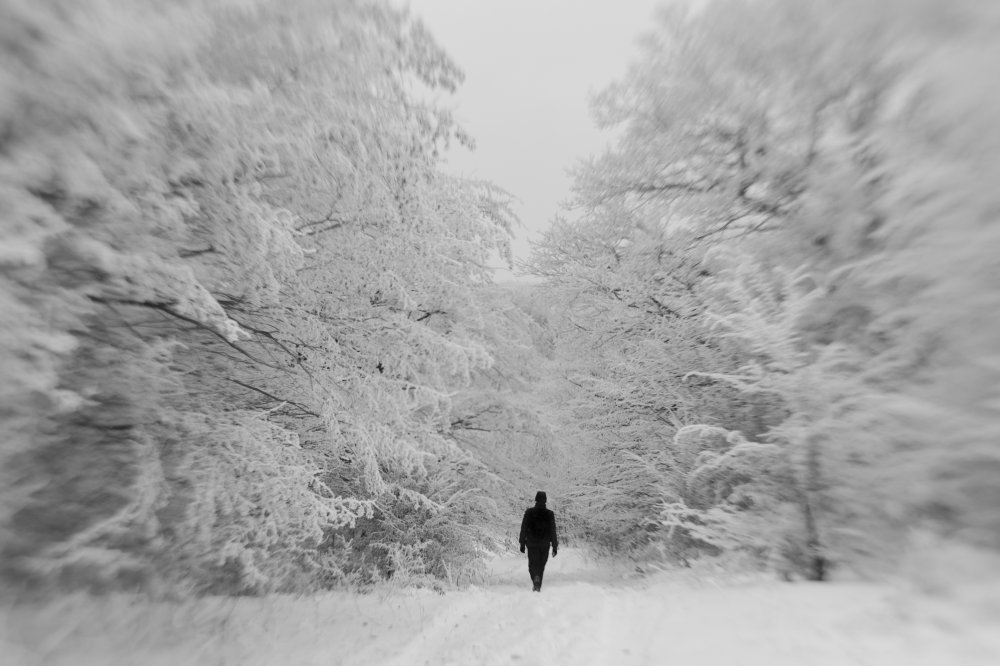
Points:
585	616
579	619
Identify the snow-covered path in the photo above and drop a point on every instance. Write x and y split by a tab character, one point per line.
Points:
585	616
580	619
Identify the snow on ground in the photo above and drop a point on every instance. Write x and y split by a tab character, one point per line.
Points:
584	615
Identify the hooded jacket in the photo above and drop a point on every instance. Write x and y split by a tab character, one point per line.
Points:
538	527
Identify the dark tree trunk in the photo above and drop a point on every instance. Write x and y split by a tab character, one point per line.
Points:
815	563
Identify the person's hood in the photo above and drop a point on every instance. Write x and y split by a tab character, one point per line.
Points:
540	497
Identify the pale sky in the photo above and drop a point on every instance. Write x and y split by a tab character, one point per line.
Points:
530	66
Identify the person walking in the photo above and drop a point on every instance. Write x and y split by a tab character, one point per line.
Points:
538	530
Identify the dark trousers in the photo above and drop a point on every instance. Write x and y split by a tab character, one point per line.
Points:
537	557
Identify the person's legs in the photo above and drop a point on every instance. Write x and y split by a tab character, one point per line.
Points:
533	565
537	557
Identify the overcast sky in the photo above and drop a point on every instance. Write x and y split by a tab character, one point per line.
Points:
530	67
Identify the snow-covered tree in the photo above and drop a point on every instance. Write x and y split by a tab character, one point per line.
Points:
240	295
789	187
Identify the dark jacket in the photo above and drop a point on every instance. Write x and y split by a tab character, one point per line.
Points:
538	528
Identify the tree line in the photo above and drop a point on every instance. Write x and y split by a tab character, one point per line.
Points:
250	340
